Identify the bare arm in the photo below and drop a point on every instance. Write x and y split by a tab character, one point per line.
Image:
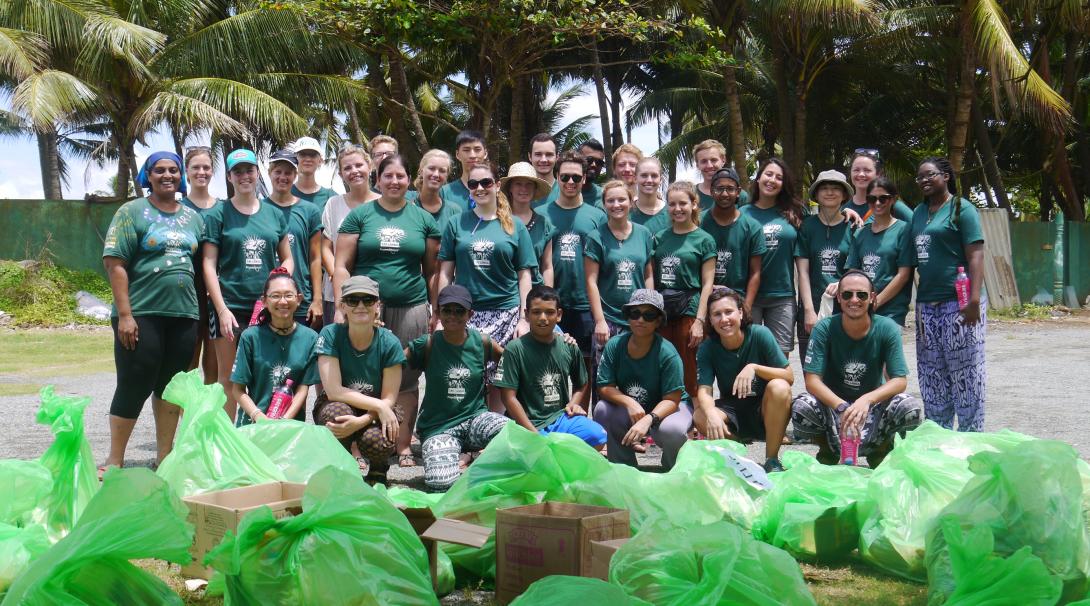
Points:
227	323
315	311
343	262
283	251
327	256
515	409
707	281
817	388
431	266
245	402
127	331
524	289
649	275
298	401
329	369
594	297
904	274
546	262
754	282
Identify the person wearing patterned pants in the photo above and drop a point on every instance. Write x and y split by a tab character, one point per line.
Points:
814	422
443	450
950	364
371	441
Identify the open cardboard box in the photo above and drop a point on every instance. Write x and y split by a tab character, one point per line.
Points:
214	513
447	530
601	554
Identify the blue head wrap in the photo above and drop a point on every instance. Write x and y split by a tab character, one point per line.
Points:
150	162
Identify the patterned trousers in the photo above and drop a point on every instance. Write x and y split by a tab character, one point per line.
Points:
810	419
950	365
442	450
371	440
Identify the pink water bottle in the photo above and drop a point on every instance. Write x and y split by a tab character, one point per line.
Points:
280	401
849	446
961	286
259	305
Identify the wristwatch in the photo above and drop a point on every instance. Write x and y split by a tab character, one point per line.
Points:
655	419
840	408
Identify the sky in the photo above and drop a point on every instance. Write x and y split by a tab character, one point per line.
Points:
20	175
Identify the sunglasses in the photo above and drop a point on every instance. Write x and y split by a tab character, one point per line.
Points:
366	300
647	316
485	183
883	198
867	151
595	162
570	178
846	295
455	310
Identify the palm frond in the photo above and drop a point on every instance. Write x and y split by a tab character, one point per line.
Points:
21	52
246	104
48	97
174	108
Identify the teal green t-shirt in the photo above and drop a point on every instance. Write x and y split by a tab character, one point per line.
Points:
778	263
620	267
714	362
446	210
453	381
361	371
159	250
647	379
678	260
487	259
707	201
939	246
391	249
826	248
541	231
318	198
900	210
457	193
201	211
852	368
265	360
735	245
571	226
880	255
304	220
539	374
247	250
654	223
592	194
553	194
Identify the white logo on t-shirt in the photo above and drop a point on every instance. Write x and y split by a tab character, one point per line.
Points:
389	238
362	387
569	246
457	376
772	235
923	248
722	262
637	392
853	373
829	257
252	249
279	373
870	265
550	387
481	251
668	266
625	269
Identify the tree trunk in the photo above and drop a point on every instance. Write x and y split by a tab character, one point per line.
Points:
798	159
737	130
516	133
963	105
121	182
987	152
49	160
675	131
603	107
1058	163
401	86
178	140
615	81
355	135
1046	204
784	108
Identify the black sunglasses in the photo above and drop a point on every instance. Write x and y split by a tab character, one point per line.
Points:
595	162
366	300
571	178
883	198
846	295
635	314
455	310
485	183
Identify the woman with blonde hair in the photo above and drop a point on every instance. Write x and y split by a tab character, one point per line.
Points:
522	186
430	178
648	207
198	174
625	159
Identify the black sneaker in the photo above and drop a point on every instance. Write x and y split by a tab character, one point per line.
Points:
773	464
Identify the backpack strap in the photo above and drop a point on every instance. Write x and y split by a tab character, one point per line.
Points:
486	343
427	352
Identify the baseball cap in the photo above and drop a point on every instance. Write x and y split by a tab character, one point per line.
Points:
726	173
241	156
284	155
359	285
457	294
646	296
308	143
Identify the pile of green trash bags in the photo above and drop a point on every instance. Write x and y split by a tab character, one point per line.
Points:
563	589
350	546
135	515
400	496
211	454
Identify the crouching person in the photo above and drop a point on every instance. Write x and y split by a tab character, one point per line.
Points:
753	374
642	385
849	356
535	371
453	416
360	366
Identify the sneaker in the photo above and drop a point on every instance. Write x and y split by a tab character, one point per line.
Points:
827	457
773	464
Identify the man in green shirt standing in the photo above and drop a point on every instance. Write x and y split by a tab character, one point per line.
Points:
543	158
595	155
846	365
535	371
470	150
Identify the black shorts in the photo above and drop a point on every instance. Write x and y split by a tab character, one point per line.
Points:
164	348
744	416
242	317
580	325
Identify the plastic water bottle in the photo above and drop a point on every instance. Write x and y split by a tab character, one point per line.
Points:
280	401
961	286
849	446
259	305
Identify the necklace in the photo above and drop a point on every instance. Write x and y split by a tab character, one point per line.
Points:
931	213
358	353
283	331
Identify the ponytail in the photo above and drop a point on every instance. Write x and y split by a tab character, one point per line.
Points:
503	213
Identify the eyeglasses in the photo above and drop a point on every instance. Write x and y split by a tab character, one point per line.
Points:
867	151
485	183
596	162
647	316
454	310
724	190
928	176
276	296
883	198
571	178
366	300
846	295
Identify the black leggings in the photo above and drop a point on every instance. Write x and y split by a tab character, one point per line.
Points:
163	349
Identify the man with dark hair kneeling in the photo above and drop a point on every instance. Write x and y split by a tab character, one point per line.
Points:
534	374
849	357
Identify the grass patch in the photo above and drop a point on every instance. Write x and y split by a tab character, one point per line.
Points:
44	294
1029	311
26	355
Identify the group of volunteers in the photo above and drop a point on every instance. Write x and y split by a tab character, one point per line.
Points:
508	291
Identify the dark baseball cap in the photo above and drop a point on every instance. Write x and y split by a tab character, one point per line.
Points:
457	294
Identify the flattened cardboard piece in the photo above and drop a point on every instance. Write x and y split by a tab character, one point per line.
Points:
601	554
447	530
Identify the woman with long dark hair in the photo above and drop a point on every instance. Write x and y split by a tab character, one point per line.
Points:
882	250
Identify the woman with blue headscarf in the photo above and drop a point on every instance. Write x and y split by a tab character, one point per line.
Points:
149	253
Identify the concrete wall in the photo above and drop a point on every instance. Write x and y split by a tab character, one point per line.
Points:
71	230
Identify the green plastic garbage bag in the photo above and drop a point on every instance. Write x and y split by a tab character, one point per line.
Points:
18	547
24	484
963	571
812	511
134	516
1027	495
718	564
925	471
209	453
558	590
348	547
407	497
69	461
299	449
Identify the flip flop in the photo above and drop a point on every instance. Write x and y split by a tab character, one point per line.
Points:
406	460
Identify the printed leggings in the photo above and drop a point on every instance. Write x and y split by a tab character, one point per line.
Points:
950	365
442	450
370	440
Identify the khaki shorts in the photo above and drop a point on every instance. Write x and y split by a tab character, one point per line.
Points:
408	323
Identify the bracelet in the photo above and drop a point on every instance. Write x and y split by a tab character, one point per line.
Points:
655	419
840	408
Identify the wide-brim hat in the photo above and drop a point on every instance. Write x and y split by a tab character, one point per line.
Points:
525	170
831	176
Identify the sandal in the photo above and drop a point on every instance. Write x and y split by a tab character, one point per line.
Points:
102	470
406	460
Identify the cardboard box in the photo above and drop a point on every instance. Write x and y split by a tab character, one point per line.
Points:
212	514
447	530
536	541
601	554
